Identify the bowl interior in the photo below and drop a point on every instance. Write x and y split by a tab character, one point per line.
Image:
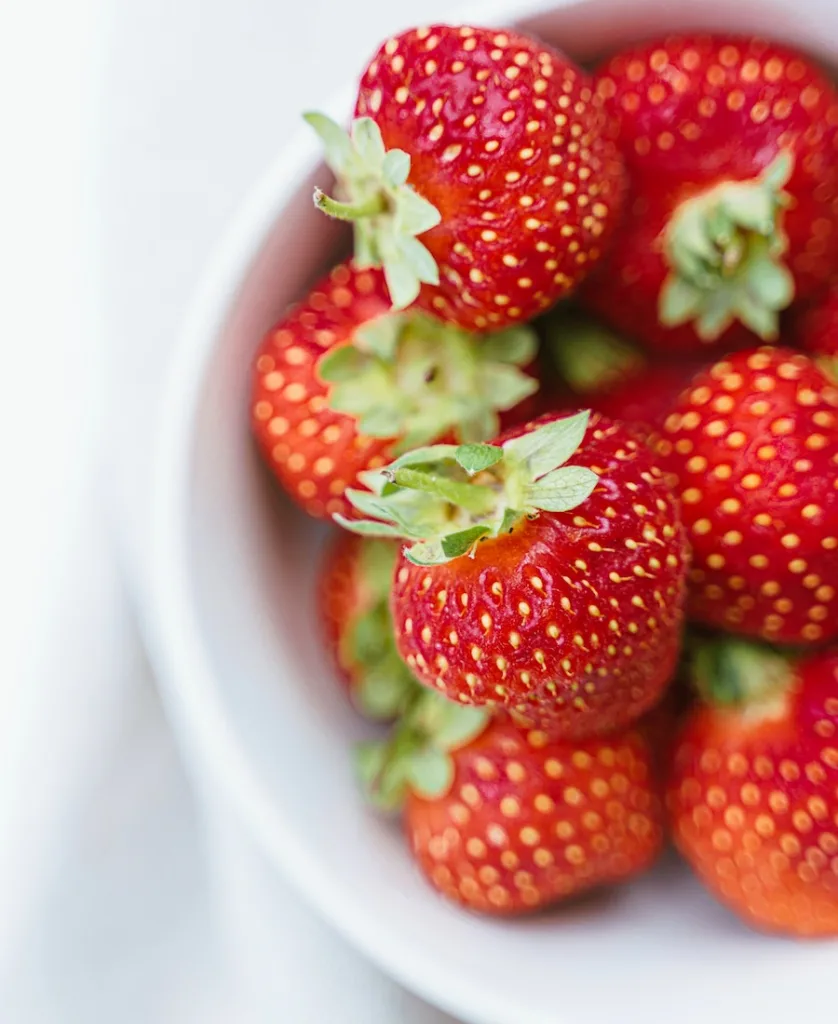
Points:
253	691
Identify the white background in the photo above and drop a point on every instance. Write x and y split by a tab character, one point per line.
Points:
131	131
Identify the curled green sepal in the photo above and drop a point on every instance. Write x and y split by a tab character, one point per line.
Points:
447	499
388	214
417	755
412	377
725	250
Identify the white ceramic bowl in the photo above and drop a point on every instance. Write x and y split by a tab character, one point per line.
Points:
259	712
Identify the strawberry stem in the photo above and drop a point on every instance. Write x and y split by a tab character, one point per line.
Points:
370	207
471	497
389	215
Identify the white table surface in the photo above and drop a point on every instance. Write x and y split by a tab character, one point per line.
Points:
138	126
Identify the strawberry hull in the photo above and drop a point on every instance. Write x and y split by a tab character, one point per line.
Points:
573	619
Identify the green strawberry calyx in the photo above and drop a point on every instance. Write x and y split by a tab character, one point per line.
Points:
417	755
383	685
590	357
410	376
740	674
725	249
388	214
445	499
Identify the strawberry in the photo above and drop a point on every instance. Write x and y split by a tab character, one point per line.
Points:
494	151
753	446
502	820
753	791
530	584
645	400
343	385
354	592
733	207
615	377
816	330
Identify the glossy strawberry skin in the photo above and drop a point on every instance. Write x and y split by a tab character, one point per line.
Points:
508	140
753	806
815	329
315	453
528	822
572	618
694	111
753	446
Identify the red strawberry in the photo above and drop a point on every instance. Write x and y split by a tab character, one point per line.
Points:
498	156
754	448
733	207
647	399
533	586
340	387
354	592
502	820
753	794
816	330
615	377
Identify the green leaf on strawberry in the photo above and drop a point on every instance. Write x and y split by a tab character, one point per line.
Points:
417	753
388	214
448	499
383	684
412	377
725	250
474	457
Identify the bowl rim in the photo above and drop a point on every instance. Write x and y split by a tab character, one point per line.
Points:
185	672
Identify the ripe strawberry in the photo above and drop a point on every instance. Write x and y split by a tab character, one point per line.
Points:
544	589
494	150
343	385
753	446
816	330
613	376
354	599
733	208
502	820
646	399
753	793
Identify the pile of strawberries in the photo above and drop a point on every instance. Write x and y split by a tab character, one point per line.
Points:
591	629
